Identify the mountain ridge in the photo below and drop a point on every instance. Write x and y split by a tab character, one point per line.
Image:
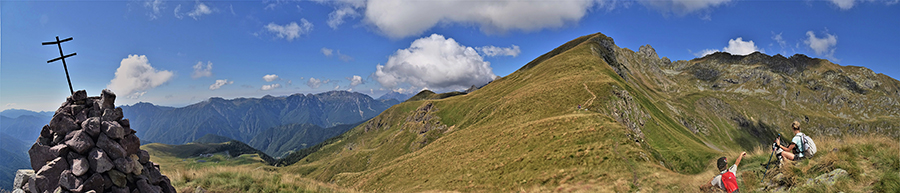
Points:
243	118
590	109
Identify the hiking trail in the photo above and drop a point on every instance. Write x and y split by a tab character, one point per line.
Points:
593	96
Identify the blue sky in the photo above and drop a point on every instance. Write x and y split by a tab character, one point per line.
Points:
176	53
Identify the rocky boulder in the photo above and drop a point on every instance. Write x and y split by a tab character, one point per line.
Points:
88	147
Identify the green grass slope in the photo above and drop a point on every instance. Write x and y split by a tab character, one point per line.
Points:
646	124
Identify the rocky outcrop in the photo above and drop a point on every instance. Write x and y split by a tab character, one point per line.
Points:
87	146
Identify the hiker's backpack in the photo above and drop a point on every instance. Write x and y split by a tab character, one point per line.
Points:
729	181
808	146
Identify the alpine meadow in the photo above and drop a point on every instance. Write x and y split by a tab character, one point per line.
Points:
563	96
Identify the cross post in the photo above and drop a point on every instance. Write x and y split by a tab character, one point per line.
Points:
63	58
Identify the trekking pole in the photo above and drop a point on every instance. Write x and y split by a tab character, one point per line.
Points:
769	162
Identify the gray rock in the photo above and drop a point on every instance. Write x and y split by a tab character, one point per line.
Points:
124	164
40	155
80	166
113	129
112	115
166	185
131	143
199	190
828	178
46	132
18	191
152	173
59	150
107	99
136	166
62	124
99	161
119	190
91	126
95	182
81	142
125	123
118	178
68	180
22	178
79	95
145	187
47	178
144	156
111	147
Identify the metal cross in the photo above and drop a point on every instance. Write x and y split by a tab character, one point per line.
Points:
63	58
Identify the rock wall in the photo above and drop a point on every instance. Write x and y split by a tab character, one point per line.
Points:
88	147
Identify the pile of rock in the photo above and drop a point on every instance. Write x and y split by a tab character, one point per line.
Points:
89	147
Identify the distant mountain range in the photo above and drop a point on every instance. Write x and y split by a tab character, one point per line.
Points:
243	118
396	95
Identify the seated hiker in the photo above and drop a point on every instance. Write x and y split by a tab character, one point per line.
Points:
801	146
726	179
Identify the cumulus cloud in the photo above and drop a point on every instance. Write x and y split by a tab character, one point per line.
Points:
270	87
290	31
499	51
740	47
270	77
219	84
735	46
682	7
155	6
135	76
316	83
824	46
201	71
200	9
355	80
402	18
435	62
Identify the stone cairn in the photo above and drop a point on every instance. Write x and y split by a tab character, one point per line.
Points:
88	147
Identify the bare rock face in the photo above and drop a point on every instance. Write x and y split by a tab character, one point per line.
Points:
88	147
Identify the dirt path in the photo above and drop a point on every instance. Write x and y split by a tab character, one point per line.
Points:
593	96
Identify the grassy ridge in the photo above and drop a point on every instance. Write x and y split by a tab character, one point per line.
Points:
645	125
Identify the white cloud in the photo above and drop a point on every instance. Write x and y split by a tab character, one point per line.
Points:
270	77
290	31
10	104
735	46
155	6
499	51
824	46
330	52
336	17
316	83
683	7
355	80
200	9
435	62
740	47
844	4
219	84
177	10
270	87
849	4
135	76
200	71
403	18
780	40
